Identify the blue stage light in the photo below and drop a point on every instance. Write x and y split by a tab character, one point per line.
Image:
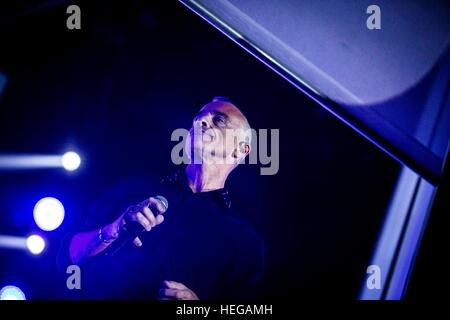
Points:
11	293
48	213
70	161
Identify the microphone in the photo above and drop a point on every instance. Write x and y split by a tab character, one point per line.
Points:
133	229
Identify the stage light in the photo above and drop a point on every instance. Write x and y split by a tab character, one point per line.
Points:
70	161
48	213
11	293
35	244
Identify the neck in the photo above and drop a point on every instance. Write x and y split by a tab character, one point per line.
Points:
203	178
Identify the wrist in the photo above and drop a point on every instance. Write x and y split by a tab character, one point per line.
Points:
106	235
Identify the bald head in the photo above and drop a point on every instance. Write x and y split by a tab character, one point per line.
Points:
234	116
225	134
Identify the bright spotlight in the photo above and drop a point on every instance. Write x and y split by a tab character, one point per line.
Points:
48	213
35	244
70	161
11	293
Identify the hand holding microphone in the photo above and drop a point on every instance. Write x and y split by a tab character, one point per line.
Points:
135	220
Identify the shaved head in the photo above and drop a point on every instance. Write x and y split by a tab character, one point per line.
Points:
223	134
236	117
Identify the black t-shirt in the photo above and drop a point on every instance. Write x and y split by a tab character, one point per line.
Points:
202	243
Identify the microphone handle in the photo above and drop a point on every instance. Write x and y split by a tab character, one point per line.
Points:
134	229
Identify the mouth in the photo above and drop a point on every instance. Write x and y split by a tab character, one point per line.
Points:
207	135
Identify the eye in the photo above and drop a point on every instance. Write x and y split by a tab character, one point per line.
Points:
219	120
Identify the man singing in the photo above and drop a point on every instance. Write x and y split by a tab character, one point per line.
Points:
196	249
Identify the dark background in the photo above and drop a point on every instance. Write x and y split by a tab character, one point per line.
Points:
116	89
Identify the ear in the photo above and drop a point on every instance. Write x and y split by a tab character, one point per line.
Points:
242	150
245	149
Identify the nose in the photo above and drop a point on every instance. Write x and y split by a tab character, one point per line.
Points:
201	122
204	124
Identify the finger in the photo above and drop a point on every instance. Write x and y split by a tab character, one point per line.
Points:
143	221
149	215
137	242
156	205
159	219
175	285
168	293
184	295
176	294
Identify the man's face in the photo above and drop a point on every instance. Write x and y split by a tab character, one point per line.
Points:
214	134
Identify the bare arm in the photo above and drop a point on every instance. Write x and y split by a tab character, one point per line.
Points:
87	244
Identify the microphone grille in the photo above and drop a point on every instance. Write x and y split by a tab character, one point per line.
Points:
163	201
